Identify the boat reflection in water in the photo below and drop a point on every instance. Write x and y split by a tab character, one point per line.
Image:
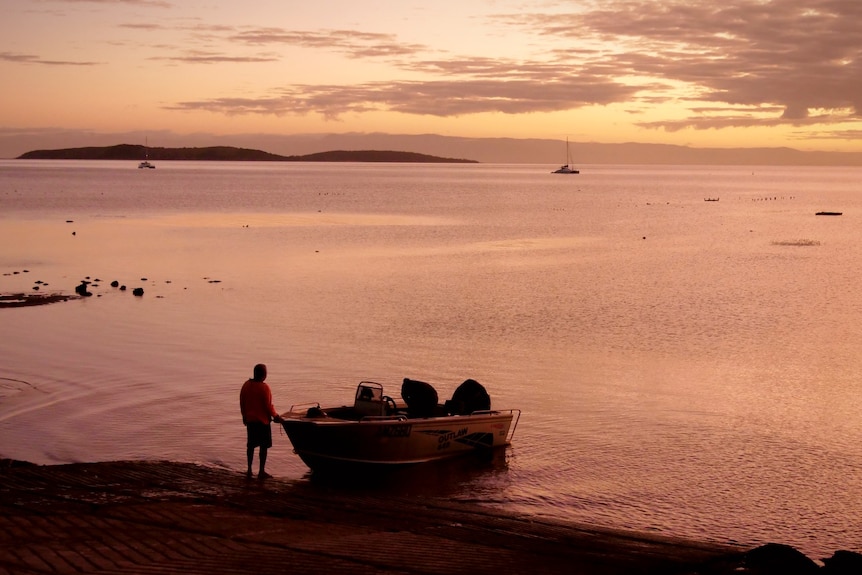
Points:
471	478
377	433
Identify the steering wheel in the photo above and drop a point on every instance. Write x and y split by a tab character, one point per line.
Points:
390	404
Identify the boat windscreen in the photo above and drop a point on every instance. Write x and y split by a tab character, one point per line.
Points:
369	393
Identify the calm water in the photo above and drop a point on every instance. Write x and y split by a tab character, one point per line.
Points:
685	367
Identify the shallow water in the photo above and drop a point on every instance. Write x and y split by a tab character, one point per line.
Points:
682	366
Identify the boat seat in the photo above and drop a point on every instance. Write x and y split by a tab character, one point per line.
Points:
369	401
369	407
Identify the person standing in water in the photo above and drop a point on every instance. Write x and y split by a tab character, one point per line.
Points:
255	404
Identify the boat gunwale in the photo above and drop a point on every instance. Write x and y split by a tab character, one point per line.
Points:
485	414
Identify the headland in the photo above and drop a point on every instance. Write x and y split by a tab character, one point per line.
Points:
130	152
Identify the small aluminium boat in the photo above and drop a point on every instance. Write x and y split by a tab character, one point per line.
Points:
378	433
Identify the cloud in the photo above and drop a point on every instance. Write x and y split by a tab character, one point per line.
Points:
205	57
834	135
32	59
353	43
734	63
437	98
455	86
350	43
156	3
798	54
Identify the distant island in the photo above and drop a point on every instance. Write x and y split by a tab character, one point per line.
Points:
131	152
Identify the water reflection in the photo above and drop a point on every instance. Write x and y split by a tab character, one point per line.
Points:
460	478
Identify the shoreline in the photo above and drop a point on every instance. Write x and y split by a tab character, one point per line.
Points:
128	516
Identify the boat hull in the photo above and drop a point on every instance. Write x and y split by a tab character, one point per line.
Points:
326	443
565	170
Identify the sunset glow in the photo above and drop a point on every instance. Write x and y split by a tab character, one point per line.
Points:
740	73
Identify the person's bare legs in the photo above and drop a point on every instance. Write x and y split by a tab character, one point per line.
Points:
261	473
249	455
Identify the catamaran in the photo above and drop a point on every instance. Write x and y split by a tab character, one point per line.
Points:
567	167
146	163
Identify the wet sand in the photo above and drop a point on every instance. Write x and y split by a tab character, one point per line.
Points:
167	517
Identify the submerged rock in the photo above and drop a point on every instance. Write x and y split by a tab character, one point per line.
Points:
843	563
778	558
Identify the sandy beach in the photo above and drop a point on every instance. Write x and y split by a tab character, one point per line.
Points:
166	517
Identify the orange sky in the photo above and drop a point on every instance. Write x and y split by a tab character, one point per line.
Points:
735	73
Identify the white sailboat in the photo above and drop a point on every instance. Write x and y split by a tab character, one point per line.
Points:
567	167
146	163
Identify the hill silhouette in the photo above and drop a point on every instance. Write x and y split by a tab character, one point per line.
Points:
230	154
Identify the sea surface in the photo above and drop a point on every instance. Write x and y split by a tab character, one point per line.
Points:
683	367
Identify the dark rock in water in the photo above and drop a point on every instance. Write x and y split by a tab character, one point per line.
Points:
81	289
139	291
843	563
115	283
123	288
779	559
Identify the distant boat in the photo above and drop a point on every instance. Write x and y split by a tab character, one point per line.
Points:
567	167
146	163
828	213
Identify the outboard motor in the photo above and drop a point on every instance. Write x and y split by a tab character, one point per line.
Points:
469	397
420	397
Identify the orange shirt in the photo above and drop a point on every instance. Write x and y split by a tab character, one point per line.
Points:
255	402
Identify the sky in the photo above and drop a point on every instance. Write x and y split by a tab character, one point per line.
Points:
702	73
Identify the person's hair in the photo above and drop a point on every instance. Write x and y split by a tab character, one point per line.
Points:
259	372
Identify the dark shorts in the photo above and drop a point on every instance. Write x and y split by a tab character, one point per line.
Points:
259	434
